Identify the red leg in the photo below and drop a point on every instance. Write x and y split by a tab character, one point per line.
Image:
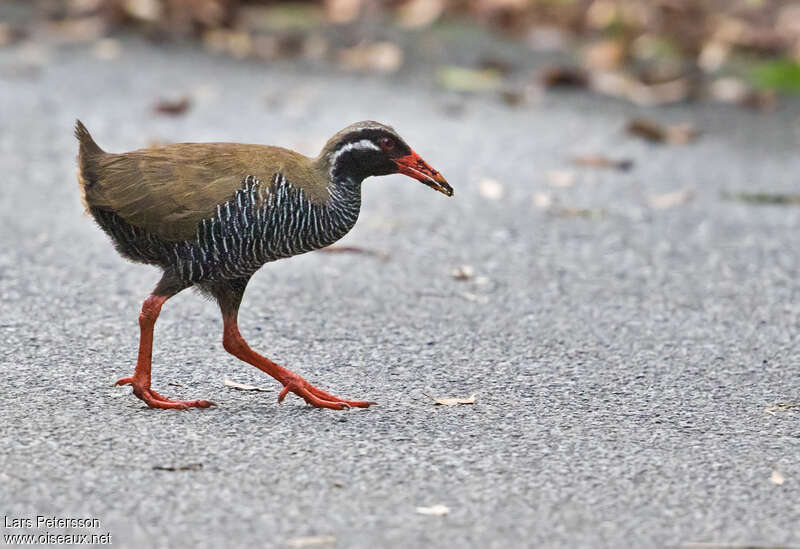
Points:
141	376
235	344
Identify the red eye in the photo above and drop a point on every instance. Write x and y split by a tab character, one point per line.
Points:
386	143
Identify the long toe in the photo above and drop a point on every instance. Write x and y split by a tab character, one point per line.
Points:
319	398
155	400
319	393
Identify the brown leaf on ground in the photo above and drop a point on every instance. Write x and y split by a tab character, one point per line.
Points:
415	14
463	273
244	387
587	213
601	161
780	407
561	178
563	77
378	254
650	130
604	55
311	541
342	11
661	93
145	10
383	57
452	401
9	35
738	92
433	510
456	78
173	107
77	29
670	200
477	298
173	468
516	97
626	86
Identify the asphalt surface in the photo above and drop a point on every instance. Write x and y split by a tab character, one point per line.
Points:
622	361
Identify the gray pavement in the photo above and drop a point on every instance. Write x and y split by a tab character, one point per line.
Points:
622	362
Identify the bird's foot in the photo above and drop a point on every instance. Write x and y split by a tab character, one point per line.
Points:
317	397
155	400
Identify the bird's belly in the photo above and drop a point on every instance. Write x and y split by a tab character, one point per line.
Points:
238	245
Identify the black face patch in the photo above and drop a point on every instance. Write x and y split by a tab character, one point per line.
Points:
362	152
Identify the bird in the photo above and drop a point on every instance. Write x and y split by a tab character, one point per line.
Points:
212	214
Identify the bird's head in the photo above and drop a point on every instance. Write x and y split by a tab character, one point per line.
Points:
370	148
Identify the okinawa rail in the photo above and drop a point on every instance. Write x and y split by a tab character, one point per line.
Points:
211	214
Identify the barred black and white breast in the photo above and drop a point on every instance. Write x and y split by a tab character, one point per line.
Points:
260	223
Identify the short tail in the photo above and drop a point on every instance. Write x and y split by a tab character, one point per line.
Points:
88	153
88	147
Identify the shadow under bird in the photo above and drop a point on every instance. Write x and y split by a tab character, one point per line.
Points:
211	214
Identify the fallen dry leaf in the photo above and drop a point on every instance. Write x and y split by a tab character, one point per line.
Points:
342	11
415	14
244	387
515	97
452	401
383	57
173	468
434	510
542	200
729	89
146	10
311	541
661	93
647	129
604	55
385	256
589	213
678	134
9	35
664	201
469	296
491	189
463	273
600	161
738	92
780	407
78	29
777	477
563	76
626	86
173	107
713	55
560	178
469	80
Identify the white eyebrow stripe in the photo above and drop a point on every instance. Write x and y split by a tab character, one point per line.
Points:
363	144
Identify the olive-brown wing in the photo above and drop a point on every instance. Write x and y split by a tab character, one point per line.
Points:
169	190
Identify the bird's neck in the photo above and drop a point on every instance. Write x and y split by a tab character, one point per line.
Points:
345	196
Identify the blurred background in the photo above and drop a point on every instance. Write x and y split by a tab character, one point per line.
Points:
653	52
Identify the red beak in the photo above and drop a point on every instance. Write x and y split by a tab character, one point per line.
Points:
414	166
